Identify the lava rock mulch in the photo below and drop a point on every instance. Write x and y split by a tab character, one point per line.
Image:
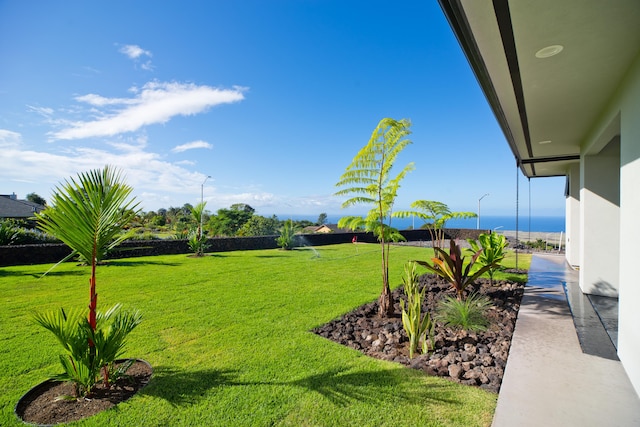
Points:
471	358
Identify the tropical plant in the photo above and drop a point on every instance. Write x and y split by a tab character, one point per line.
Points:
492	246
435	216
198	240
418	327
468	314
36	198
197	243
322	219
285	240
82	363
9	233
452	268
260	226
368	180
88	214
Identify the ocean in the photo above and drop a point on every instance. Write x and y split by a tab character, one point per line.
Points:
549	224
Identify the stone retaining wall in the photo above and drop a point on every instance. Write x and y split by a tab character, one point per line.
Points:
50	253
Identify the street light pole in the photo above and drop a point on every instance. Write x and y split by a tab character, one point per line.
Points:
202	204
478	225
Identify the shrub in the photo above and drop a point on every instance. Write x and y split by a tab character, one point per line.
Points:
85	365
285	240
492	246
468	314
8	233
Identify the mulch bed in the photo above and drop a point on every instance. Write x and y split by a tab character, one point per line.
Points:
39	405
471	358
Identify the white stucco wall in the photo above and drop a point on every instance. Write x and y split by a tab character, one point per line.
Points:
629	302
600	221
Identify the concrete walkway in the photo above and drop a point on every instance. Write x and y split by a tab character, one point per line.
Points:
549	380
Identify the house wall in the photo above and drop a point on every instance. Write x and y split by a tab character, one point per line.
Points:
628	331
572	216
621	115
600	221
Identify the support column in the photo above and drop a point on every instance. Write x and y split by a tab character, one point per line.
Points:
572	216
600	221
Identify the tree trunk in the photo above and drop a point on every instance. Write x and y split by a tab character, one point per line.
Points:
385	302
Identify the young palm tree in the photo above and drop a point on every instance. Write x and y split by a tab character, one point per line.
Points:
88	213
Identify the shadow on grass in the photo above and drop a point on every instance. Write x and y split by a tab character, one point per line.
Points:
136	263
338	386
39	274
182	388
372	386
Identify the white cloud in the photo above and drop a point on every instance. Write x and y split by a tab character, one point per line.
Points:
192	145
134	51
155	103
156	182
9	138
185	163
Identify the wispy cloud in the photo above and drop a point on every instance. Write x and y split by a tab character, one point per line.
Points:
154	103
43	111
136	53
9	138
191	146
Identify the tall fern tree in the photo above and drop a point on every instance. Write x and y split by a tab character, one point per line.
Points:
368	181
88	213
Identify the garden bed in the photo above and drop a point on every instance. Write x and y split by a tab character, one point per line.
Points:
471	358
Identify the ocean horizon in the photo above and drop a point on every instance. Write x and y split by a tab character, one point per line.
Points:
549	224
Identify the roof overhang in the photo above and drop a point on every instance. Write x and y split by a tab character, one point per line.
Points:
547	98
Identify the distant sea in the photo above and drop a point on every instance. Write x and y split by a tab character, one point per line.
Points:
549	224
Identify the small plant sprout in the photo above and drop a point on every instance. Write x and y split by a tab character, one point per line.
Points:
418	327
469	315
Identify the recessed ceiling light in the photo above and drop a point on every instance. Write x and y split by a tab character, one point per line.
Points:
548	51
544	142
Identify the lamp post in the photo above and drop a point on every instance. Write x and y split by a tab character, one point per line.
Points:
202	204
478	225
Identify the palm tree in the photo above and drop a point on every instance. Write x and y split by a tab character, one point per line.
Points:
435	216
88	214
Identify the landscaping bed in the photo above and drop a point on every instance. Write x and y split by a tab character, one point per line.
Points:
471	358
43	405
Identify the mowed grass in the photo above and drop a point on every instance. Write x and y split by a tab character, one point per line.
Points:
229	338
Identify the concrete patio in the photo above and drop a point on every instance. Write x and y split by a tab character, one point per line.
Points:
562	368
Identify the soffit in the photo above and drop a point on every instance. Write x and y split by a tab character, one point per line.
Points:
555	99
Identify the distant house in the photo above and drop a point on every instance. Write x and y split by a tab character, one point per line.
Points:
12	208
325	228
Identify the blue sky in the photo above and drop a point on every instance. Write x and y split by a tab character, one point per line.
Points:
271	99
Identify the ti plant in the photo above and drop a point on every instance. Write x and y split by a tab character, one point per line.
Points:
452	268
492	246
418	327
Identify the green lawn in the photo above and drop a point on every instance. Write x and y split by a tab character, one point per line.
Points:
228	337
